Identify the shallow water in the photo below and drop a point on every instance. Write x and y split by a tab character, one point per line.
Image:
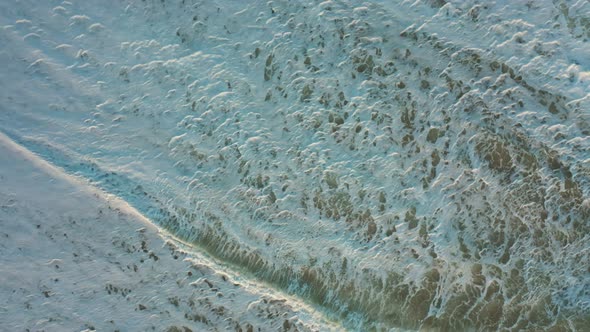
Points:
407	164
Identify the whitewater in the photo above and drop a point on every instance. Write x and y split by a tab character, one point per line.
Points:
359	165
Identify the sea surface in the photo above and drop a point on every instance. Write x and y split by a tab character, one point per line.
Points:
394	164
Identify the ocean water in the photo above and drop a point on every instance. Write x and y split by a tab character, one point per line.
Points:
397	164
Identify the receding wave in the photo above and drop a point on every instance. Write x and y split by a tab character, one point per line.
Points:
406	165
